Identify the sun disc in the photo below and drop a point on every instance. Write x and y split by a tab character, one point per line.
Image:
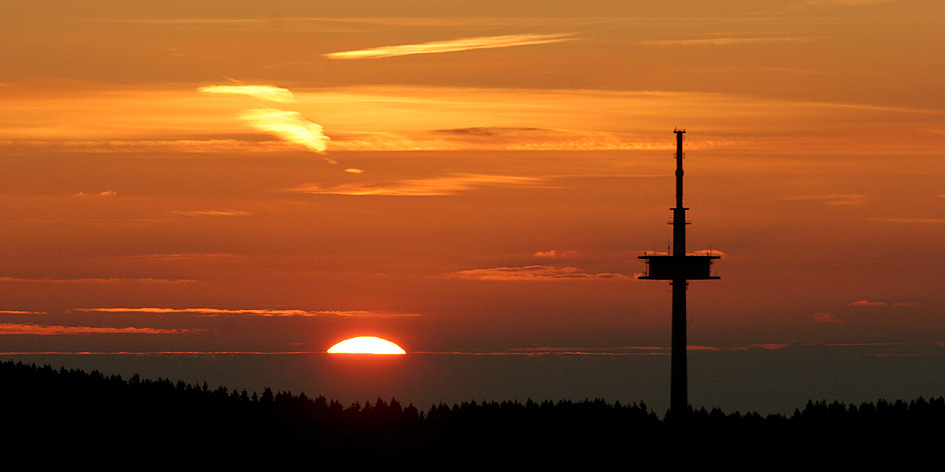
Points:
366	345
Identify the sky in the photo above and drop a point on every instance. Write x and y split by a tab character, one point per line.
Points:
253	182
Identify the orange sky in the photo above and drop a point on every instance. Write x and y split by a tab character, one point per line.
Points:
238	177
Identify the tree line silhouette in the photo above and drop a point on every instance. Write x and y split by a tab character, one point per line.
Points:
72	407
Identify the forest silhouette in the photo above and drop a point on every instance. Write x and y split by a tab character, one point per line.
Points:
73	408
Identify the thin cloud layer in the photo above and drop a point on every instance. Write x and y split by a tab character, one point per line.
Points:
437	186
250	312
265	92
290	126
109	281
213	213
532	273
836	199
825	317
453	45
724	41
556	254
49	330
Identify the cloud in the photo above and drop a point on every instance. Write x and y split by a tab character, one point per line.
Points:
437	186
487	131
725	41
868	303
21	312
834	199
212	213
552	254
48	330
265	92
533	138
176	256
114	280
107	193
154	353
225	147
252	312
707	252
910	220
850	3
354	171
534	272
453	45
290	126
825	318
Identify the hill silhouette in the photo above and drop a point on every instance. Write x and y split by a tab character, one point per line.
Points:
68	408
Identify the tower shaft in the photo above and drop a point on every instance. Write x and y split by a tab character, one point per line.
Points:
679	390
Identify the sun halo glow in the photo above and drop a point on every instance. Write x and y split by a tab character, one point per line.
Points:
366	345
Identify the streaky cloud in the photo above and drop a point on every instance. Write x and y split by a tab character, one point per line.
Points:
533	273
910	220
825	317
437	186
50	330
265	92
114	280
556	254
290	126
249	311
834	199
725	41
849	3
212	213
453	45
868	303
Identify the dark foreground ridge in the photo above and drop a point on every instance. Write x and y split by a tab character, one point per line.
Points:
55	409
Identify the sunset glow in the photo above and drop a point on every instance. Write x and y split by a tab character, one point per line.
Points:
476	177
366	345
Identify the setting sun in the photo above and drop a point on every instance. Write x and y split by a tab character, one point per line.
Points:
366	345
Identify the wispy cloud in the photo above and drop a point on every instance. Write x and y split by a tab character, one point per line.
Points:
453	45
290	126
707	252
730	41
265	92
107	193
825	318
868	303
880	303
176	256
212	213
436	186
834	199
911	220
251	312
22	312
553	254
50	330
533	273
108	281
850	3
